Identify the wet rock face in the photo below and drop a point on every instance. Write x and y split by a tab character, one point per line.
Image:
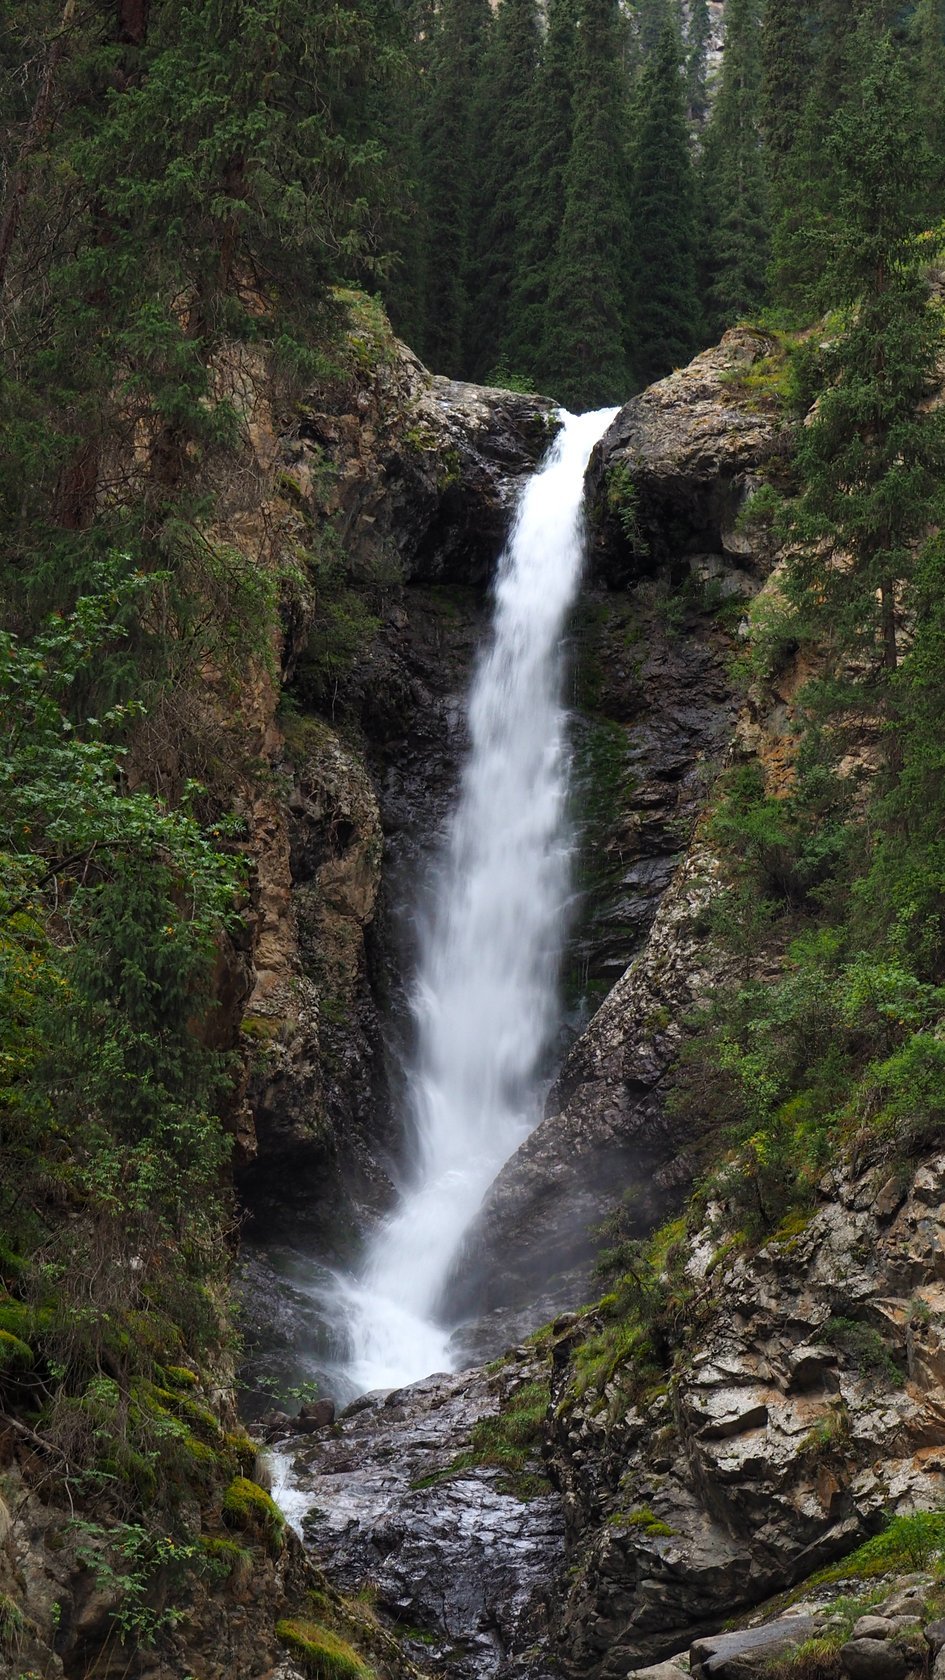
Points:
770	1452
467	1572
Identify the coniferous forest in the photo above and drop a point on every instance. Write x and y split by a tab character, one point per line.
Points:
217	215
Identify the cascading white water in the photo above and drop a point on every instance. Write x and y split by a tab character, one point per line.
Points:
486	990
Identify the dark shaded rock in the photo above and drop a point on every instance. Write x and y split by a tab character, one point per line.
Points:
935	1635
873	1659
319	1414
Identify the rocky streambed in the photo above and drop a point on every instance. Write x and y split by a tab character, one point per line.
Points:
406	1497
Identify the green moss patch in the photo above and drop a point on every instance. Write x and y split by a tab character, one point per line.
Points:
321	1653
15	1355
247	1506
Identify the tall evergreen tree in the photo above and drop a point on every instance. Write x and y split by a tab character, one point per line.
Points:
503	134
584	349
806	190
734	191
404	127
873	459
547	151
652	19
665	307
786	45
456	61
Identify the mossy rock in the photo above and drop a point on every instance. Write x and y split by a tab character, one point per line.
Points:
244	1450
22	1321
227	1557
15	1355
178	1376
247	1506
322	1654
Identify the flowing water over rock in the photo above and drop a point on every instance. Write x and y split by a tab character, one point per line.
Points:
485	996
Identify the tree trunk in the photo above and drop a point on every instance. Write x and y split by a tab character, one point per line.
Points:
133	20
888	611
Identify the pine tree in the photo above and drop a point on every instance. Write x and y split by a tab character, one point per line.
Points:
873	458
503	134
547	149
734	191
584	349
402	127
665	307
449	168
806	185
652	19
786	42
697	59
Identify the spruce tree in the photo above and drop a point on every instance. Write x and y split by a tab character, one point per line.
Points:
873	458
665	306
786	45
584	349
734	191
806	189
503	134
449	168
652	19
547	149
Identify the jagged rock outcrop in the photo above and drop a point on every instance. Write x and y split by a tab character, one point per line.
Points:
781	1437
73	1604
607	1126
408	477
672	474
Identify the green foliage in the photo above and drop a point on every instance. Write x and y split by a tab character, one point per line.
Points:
509	1440
733	184
503	125
321	1653
128	1562
585	320
907	1543
622	498
645	1520
12	1622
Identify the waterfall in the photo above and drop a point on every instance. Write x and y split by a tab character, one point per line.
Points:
485	996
